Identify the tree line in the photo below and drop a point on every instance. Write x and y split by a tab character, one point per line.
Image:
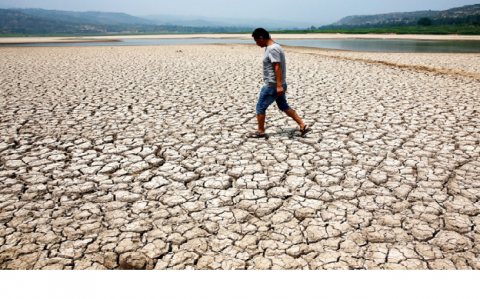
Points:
470	20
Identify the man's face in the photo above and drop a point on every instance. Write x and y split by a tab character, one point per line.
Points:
260	42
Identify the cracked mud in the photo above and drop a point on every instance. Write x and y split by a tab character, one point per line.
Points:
134	158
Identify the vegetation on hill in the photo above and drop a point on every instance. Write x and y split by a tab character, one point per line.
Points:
390	19
425	22
465	15
17	23
437	30
20	23
88	17
460	20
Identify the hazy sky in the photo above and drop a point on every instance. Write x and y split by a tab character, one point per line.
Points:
316	11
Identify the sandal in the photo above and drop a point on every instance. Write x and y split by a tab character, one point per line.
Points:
255	135
305	130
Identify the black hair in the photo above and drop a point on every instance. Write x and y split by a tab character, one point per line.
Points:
260	32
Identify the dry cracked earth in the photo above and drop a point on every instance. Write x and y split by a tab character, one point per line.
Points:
134	158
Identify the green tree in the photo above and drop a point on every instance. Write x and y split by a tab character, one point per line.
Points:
312	28
424	22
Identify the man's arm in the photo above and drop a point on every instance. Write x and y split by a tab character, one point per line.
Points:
278	75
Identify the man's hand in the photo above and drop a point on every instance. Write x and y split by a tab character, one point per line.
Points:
278	75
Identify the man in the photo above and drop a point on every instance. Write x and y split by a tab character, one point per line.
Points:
274	75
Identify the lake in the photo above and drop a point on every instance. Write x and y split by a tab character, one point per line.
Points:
366	45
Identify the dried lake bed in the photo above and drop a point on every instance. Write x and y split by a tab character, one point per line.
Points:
134	158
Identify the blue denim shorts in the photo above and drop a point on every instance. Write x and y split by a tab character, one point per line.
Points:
268	95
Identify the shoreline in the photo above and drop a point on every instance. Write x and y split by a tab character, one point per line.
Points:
62	42
352	56
31	40
286	47
458	64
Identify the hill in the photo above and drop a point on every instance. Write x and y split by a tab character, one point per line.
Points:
41	21
196	21
90	17
455	16
14	22
111	18
460	12
390	18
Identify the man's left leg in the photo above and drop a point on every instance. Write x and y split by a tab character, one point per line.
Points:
304	129
283	106
293	114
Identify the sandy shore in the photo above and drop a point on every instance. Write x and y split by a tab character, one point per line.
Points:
134	157
464	64
23	40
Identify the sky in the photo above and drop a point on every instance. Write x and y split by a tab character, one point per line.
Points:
318	12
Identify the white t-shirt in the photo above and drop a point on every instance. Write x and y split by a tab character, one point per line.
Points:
273	53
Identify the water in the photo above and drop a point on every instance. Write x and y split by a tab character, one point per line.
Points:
367	45
389	45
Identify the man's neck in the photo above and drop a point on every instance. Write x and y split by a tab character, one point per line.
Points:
270	42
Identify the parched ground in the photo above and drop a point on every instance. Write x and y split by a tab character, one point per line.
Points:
134	157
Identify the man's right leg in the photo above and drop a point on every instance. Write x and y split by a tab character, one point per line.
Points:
261	123
266	98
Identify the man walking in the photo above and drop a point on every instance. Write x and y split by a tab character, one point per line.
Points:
274	76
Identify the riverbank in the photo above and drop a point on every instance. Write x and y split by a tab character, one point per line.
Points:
135	158
23	40
463	64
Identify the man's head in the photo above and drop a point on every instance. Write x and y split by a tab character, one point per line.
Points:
261	37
